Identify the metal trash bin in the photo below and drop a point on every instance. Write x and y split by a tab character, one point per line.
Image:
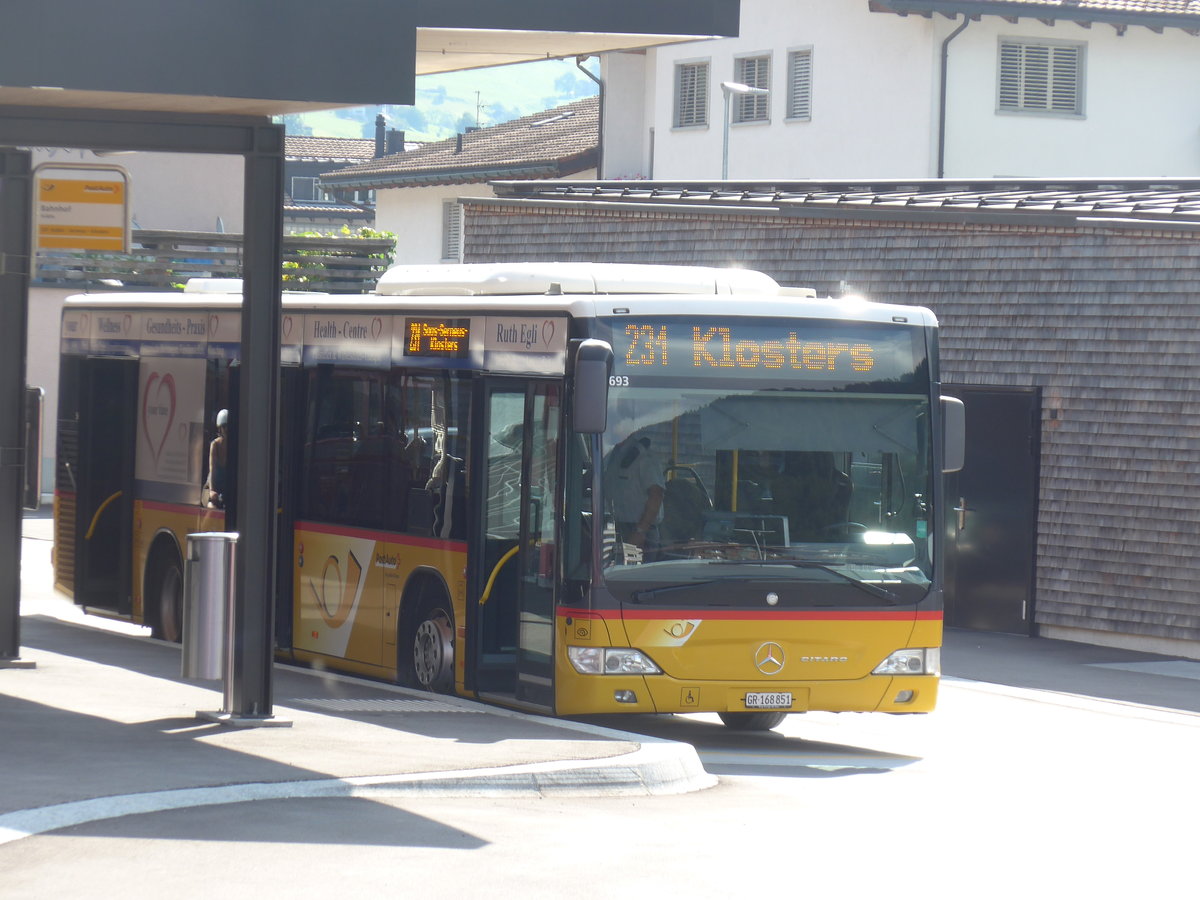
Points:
208	588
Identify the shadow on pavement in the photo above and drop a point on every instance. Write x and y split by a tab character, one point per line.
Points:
1067	667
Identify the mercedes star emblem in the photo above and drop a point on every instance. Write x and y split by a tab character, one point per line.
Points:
769	658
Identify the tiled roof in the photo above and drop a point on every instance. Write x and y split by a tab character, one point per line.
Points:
1048	201
549	144
331	149
308	208
1151	13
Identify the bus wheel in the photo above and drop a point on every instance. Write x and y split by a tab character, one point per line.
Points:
433	649
751	721
168	619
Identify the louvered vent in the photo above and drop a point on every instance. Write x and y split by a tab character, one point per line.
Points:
799	84
691	94
1041	77
452	230
756	72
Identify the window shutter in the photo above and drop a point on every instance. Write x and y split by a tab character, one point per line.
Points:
754	71
451	231
799	104
1041	77
691	94
1064	83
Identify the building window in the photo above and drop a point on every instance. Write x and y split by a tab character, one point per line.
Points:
691	94
306	188
1041	77
451	231
799	87
754	71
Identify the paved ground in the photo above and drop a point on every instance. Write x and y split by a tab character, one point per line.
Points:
104	727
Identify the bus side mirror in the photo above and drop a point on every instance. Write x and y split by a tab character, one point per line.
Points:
954	434
593	365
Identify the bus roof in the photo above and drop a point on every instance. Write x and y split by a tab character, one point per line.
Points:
580	289
491	279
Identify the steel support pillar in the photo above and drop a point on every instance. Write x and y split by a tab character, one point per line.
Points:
255	434
15	252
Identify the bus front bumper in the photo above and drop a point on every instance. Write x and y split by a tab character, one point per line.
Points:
592	694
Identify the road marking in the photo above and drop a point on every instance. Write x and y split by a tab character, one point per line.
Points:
799	759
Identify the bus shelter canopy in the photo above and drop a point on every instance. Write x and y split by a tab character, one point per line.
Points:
272	57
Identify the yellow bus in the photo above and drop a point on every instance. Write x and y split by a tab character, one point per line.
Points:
567	488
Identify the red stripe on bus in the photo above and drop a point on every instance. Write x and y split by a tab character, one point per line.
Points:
384	536
757	615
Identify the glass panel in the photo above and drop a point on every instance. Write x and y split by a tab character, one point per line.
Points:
713	483
346	454
538	564
502	524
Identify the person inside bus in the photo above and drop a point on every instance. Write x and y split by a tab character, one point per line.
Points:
635	485
758	472
218	458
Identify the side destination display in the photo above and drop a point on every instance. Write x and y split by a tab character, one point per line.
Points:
516	344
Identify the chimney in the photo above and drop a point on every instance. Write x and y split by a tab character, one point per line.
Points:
380	125
395	141
458	149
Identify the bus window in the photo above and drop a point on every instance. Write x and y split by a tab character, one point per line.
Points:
346	451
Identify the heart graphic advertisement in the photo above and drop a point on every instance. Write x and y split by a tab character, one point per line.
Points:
158	412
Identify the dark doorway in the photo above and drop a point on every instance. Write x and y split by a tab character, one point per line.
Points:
991	519
108	391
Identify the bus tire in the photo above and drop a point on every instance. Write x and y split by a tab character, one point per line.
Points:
751	721
431	646
165	595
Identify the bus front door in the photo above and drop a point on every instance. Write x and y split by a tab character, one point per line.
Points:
104	484
514	622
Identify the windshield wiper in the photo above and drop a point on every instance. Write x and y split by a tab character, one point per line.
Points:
651	593
873	589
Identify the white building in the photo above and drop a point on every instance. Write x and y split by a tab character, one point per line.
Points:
1088	88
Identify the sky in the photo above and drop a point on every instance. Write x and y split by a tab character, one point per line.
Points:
450	102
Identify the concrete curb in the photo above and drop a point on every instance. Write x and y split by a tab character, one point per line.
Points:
656	769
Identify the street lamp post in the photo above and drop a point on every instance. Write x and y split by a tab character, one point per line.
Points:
728	88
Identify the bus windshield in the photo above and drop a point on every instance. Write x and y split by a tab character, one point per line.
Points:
769	475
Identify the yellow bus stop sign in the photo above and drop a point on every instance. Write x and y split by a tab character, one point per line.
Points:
81	208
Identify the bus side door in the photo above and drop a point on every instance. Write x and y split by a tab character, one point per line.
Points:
104	483
516	571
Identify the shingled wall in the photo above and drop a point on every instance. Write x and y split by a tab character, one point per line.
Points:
1106	320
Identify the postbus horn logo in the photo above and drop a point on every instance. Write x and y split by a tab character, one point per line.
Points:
334	595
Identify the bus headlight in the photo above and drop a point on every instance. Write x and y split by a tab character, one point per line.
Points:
611	661
919	661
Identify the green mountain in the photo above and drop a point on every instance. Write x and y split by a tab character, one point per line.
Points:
450	103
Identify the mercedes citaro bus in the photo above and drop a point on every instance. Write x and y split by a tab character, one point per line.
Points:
453	448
